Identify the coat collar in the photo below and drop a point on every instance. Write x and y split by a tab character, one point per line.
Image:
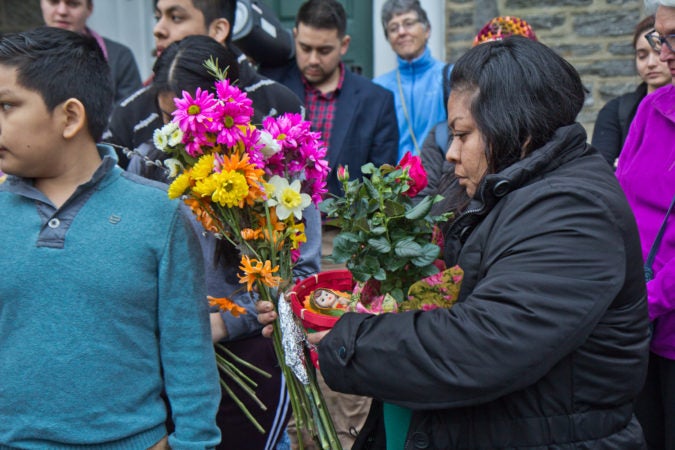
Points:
421	63
567	143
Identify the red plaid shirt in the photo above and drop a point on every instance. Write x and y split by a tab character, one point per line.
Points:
321	106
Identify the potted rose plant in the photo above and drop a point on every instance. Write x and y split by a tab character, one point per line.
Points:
386	234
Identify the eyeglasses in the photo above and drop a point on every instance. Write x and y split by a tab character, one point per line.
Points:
656	41
407	25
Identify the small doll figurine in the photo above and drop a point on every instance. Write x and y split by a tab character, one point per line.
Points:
328	301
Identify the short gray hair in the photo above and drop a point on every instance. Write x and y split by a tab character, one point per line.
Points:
393	8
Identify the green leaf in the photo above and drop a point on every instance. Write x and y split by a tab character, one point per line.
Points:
346	236
420	210
393	265
407	248
393	208
398	295
368	168
377	231
380	275
380	244
428	271
430	254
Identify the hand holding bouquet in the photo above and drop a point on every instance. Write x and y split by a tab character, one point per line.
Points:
250	186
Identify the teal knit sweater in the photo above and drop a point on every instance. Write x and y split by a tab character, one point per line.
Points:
102	306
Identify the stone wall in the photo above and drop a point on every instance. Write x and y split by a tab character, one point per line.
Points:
593	35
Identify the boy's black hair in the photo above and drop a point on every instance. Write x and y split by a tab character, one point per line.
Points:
216	9
60	64
324	15
524	92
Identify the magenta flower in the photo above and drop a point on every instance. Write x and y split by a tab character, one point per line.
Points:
196	115
232	94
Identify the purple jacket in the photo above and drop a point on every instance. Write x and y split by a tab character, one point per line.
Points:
646	171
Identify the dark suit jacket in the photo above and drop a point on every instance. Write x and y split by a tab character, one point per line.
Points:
364	126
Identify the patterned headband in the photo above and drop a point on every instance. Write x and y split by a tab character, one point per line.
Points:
503	27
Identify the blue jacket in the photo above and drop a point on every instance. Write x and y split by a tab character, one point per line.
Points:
364	126
422	86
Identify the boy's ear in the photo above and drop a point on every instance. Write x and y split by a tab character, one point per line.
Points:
220	29
74	117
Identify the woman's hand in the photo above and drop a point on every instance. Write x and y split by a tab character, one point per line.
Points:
218	327
315	338
266	315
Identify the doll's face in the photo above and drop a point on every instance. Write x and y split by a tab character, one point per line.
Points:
325	299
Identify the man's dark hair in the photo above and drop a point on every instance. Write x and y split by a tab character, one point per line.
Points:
523	92
59	64
216	9
324	15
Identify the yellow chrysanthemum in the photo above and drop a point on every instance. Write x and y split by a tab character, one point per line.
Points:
253	175
255	270
179	185
231	189
206	186
203	168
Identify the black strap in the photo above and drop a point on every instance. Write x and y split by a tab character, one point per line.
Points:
657	242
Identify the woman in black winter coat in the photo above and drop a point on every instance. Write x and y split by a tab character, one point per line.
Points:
547	345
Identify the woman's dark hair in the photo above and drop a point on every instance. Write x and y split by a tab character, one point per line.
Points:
644	26
524	92
180	67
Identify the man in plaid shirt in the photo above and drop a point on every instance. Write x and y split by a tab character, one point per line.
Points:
357	120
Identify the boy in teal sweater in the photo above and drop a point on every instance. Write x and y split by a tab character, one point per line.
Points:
100	287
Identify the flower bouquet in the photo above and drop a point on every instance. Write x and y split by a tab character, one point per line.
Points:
249	186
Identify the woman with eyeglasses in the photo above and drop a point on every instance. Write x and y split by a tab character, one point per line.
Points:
646	171
614	119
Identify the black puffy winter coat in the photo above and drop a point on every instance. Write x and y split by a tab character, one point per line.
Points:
548	344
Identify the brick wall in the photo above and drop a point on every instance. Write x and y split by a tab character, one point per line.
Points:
593	35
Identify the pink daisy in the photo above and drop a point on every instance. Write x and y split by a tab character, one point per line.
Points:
196	115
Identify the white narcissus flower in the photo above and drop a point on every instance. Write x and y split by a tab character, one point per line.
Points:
174	167
271	145
287	198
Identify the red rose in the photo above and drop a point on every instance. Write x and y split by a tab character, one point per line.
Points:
416	172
